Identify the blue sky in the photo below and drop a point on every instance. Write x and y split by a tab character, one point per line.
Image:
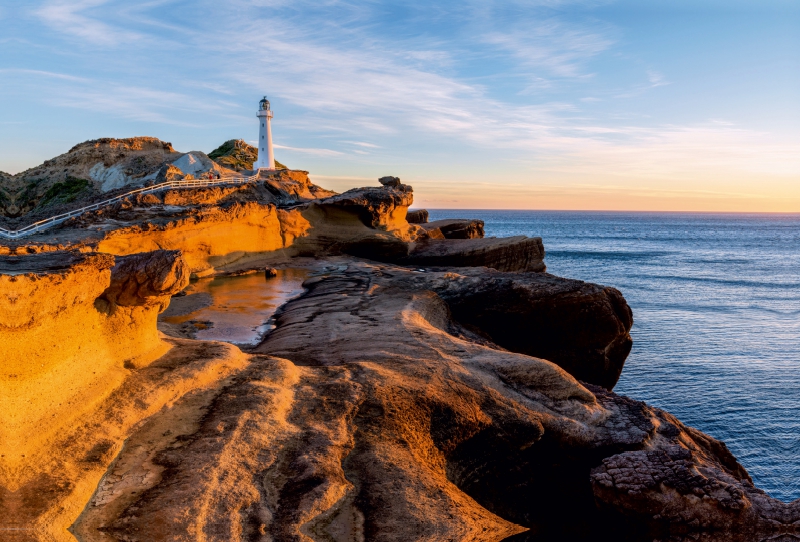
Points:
656	104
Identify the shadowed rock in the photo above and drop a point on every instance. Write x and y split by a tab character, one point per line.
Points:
582	327
456	228
504	254
420	216
372	412
391	182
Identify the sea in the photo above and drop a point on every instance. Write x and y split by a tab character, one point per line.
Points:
716	307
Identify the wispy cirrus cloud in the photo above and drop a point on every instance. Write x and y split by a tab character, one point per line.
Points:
433	82
71	17
316	152
551	46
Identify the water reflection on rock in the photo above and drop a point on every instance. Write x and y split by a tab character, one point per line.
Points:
232	309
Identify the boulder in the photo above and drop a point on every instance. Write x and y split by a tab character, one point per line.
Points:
147	277
584	328
289	186
518	253
391	182
455	228
420	216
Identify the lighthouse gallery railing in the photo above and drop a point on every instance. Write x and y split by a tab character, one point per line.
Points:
58	219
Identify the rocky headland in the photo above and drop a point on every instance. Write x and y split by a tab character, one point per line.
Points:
430	384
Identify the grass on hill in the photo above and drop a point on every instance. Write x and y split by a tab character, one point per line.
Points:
236	154
64	192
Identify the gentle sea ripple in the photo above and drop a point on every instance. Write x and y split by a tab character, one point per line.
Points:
716	305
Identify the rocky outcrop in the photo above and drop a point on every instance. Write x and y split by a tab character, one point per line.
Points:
455	228
223	228
93	171
504	254
364	222
87	169
73	326
290	187
377	208
420	216
376	410
582	327
519	436
146	277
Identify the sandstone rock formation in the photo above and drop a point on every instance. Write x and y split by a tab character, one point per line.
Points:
73	326
223	228
420	216
583	328
90	168
515	433
93	170
518	253
453	392
455	228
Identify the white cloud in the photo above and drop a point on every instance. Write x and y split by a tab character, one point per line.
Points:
68	16
316	152
555	47
363	144
340	78
656	79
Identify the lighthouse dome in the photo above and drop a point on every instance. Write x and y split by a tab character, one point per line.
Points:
263	105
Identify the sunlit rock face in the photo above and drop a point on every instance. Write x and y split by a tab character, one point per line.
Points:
91	171
428	385
73	326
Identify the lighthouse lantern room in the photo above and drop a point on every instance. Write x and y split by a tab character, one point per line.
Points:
266	158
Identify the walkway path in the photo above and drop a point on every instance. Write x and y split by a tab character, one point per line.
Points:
42	225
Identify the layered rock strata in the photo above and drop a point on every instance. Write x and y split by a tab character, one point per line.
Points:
419	216
455	229
437	401
370	413
73	328
223	228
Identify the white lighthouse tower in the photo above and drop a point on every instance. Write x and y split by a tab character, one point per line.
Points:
266	158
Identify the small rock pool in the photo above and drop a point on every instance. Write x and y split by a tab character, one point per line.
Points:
235	309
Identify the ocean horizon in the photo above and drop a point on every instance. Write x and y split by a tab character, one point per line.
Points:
716	306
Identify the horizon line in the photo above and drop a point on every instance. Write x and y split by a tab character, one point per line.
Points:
607	211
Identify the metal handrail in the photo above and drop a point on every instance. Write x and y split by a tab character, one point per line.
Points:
57	219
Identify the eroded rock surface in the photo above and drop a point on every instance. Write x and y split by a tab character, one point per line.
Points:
463	397
373	412
73	329
582	327
458	228
419	216
518	253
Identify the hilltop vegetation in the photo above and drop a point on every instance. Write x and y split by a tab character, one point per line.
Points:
100	168
236	154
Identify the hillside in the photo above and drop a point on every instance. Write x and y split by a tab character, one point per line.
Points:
94	170
236	154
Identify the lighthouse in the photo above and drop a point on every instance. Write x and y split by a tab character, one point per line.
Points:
266	158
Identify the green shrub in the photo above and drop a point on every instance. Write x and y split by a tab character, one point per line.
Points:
64	192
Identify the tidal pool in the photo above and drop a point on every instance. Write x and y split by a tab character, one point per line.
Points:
232	309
